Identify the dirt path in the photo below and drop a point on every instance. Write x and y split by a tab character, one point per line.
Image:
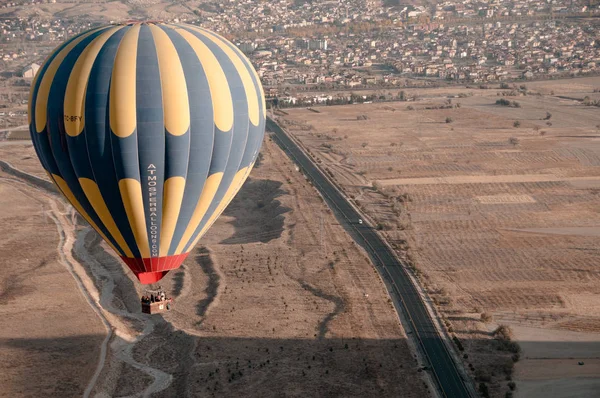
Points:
336	300
65	245
212	287
123	348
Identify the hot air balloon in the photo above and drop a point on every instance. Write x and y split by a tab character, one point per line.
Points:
149	130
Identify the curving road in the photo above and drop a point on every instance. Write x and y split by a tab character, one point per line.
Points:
443	367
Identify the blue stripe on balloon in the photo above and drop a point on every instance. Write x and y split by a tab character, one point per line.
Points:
97	136
150	131
57	137
202	131
240	128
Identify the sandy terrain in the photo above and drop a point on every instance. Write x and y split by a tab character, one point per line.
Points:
51	338
496	218
557	363
277	301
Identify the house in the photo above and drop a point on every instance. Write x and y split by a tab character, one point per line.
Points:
30	71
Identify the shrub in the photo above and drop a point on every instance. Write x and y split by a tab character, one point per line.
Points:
517	124
458	343
484	390
503	332
486	318
449	119
482	375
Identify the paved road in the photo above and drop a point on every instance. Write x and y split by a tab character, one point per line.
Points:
443	367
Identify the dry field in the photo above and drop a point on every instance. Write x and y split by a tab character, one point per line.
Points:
50	337
497	218
277	301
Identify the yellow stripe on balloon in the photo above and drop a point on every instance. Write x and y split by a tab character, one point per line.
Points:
176	107
172	198
66	191
252	70
92	192
74	102
122	85
41	103
235	186
131	195
222	102
33	84
206	197
251	94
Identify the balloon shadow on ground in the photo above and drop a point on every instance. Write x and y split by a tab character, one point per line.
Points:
258	216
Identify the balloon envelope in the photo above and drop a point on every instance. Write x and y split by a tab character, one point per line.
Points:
149	130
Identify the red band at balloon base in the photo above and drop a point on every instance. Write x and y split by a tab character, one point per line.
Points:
151	270
147	278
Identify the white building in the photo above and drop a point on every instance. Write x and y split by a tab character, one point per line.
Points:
30	71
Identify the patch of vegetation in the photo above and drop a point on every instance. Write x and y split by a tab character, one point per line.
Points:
458	343
505	102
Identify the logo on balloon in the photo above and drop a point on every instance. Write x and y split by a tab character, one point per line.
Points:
152	205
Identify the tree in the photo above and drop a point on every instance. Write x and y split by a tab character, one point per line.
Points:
486	318
503	332
484	390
